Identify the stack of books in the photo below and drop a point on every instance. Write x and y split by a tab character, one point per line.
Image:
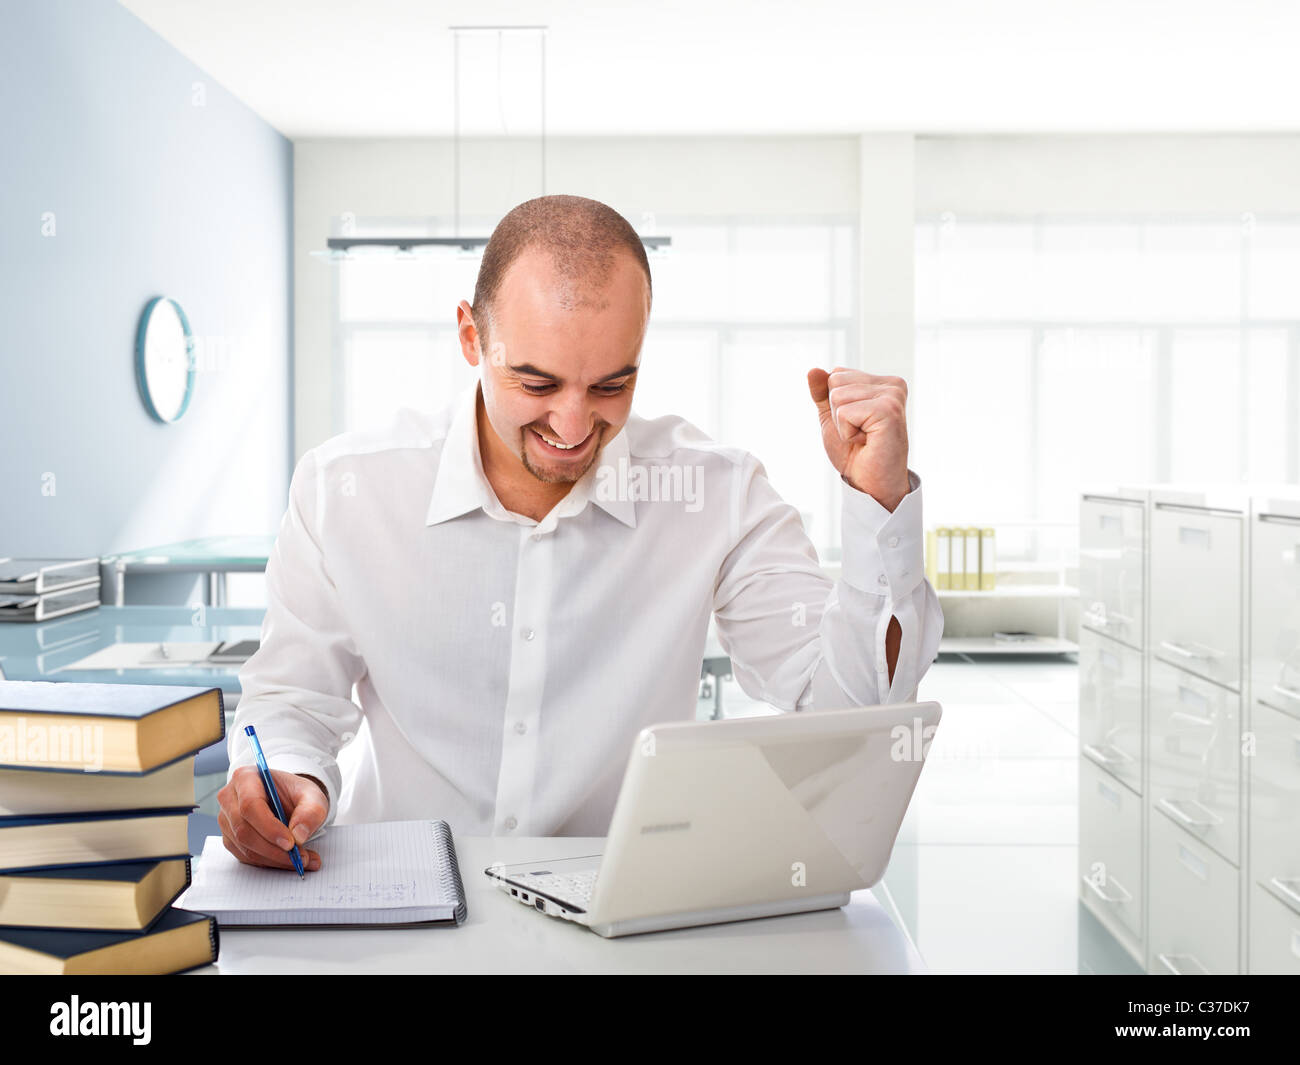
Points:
96	789
37	589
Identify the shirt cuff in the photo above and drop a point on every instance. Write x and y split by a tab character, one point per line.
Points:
884	553
304	765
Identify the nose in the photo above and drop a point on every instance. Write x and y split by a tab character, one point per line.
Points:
571	418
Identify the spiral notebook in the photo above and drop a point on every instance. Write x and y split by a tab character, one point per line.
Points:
389	874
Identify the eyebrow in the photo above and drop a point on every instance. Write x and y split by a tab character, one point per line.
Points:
532	371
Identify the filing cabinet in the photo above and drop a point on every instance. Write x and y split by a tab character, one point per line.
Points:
1194	733
1273	767
1112	701
1275	603
1189	715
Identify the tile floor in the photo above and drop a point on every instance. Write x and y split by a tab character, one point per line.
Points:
984	874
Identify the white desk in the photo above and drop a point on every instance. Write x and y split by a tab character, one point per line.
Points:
502	936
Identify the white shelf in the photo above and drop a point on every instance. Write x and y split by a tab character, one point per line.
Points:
987	645
1013	591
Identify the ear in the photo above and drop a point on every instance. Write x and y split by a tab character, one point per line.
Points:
467	333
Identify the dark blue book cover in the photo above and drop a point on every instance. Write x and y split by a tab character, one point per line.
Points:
26	820
20	699
122	872
65	944
92	700
114	873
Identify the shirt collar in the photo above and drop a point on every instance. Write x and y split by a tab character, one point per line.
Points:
461	486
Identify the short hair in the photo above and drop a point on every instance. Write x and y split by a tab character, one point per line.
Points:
581	237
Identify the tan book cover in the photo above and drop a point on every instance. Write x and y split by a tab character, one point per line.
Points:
988	560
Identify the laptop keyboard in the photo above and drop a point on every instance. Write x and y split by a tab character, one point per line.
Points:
566	887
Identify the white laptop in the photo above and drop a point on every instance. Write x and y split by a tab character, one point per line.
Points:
750	817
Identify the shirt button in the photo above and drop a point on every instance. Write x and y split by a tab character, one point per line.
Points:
520	727
882	579
893	541
535	536
510	824
529	634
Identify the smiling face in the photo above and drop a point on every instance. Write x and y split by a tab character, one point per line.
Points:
560	359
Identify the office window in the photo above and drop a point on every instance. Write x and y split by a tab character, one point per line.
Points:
1057	353
743	308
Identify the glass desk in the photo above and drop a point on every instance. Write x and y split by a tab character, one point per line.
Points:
42	650
214	555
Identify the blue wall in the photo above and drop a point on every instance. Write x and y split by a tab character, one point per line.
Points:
160	183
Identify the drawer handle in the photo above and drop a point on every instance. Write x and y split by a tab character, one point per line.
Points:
1214	819
1285	887
1179	649
1099	755
1124	895
1290	693
1098	615
1178	964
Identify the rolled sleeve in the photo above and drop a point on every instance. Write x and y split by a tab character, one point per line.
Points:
882	577
884	553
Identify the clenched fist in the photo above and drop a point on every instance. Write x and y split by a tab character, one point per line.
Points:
864	430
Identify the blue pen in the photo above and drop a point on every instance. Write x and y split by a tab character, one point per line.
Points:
271	795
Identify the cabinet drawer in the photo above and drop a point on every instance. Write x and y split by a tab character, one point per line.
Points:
1110	852
1196	583
1194	740
1112	577
1110	706
1274	935
1275	611
1274	797
1193	904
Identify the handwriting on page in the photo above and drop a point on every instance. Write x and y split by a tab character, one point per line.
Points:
363	868
367	893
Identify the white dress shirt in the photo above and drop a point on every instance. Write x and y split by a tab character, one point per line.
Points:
504	666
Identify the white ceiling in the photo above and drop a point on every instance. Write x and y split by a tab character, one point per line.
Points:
348	68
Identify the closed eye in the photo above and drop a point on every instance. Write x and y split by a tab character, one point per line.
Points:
602	390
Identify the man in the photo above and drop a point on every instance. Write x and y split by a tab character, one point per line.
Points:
520	583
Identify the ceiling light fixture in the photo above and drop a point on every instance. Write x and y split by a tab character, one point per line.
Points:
345	248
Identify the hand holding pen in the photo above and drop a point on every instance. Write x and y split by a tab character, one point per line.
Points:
265	814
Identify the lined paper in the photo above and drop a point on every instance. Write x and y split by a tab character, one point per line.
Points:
387	873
